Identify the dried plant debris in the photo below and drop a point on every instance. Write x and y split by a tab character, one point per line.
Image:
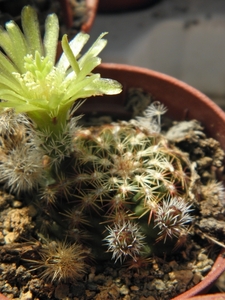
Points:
206	152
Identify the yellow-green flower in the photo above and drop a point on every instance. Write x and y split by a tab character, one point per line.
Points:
31	82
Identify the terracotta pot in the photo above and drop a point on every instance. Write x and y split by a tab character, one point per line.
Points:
91	5
110	6
2	297
219	296
183	102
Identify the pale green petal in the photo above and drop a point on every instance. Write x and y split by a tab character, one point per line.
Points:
39	104
78	42
6	44
69	54
19	103
76	45
6	65
75	87
8	81
17	100
88	67
94	50
19	45
85	93
107	86
11	96
21	108
51	37
31	30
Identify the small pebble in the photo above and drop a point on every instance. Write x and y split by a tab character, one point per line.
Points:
32	211
134	288
124	290
100	279
26	296
157	284
90	294
206	269
126	297
91	277
173	264
113	291
17	204
184	276
92	286
10	237
202	257
1	238
61	291
204	263
197	278
118	282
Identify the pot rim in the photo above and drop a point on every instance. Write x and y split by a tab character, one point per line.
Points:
207	107
162	76
217	296
217	269
92	7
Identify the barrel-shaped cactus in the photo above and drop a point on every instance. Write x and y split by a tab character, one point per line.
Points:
135	181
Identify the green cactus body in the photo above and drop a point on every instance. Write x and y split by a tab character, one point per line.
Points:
127	174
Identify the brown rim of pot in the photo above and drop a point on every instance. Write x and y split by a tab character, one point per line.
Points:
203	286
183	101
92	6
218	296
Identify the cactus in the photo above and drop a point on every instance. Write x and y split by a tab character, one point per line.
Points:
122	189
137	179
126	178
